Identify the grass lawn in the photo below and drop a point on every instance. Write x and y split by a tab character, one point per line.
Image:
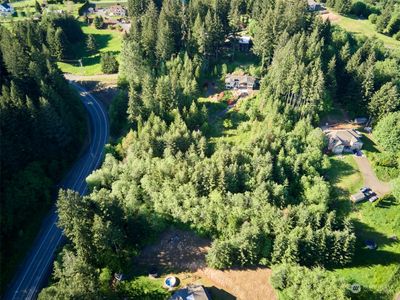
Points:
377	271
107	41
365	27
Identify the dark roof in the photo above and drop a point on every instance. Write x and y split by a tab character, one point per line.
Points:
6	5
191	292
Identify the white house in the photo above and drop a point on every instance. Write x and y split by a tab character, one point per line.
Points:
6	9
343	140
240	82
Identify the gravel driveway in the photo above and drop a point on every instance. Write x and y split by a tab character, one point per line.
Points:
370	179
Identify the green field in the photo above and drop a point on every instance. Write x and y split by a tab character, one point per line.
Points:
366	28
107	41
377	271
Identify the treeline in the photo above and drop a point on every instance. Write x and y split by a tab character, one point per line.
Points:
41	124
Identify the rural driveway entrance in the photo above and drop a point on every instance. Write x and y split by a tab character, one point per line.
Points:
370	179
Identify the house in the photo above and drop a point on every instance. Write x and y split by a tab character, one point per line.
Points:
244	43
313	6
241	82
360	196
191	292
6	9
116	11
343	140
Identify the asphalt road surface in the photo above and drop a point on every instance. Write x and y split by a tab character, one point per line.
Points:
37	266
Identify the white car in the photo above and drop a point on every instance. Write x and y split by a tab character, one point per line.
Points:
373	199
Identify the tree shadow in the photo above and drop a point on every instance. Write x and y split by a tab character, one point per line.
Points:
369	144
387	202
338	170
367	257
220	294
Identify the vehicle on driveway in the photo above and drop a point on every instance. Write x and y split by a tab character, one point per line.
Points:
373	199
365	189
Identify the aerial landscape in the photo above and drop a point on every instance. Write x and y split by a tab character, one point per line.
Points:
200	149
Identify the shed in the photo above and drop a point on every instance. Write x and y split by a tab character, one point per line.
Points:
358	197
191	292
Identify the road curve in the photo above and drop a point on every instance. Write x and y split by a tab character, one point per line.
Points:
37	266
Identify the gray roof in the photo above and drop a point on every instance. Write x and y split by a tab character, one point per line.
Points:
191	292
243	79
342	137
358	197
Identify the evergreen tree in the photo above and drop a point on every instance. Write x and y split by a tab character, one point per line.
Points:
91	44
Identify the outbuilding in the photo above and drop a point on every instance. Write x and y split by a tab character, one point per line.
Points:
191	292
360	196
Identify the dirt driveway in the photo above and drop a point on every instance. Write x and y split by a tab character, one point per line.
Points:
370	179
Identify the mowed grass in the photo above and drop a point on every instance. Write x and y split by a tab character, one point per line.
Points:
377	271
365	27
344	174
107	40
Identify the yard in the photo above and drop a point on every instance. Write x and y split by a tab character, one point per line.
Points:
107	40
377	271
366	28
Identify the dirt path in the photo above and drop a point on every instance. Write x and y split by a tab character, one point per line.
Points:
109	79
370	179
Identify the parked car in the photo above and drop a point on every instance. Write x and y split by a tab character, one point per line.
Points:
373	199
370	244
371	193
365	189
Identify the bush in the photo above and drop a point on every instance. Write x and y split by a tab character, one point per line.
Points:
360	9
98	22
373	18
109	64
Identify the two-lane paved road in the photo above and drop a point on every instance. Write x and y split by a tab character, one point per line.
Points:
37	265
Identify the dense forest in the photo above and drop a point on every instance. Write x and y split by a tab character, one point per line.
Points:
41	122
262	202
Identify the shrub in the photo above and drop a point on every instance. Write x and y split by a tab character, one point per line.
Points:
98	22
373	18
109	64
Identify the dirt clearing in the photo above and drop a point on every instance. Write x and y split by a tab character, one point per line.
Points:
182	253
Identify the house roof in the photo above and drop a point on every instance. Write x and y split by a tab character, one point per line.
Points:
343	137
191	292
6	5
242	79
312	3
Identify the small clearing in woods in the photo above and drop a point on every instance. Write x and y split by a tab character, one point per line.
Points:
182	253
